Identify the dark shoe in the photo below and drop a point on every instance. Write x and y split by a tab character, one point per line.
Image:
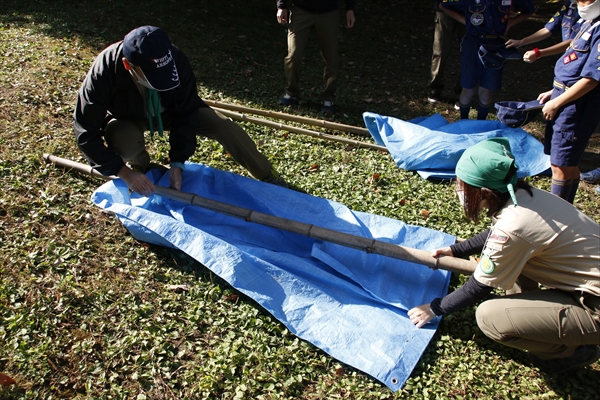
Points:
457	106
592	176
275	179
327	107
584	355
287	100
435	97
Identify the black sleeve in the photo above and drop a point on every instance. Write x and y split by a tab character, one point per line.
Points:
468	294
471	246
93	101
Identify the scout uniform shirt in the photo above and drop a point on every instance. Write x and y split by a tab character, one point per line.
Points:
545	239
488	17
582	57
566	19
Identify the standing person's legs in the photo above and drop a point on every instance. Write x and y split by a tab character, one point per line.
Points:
470	73
235	140
565	140
126	138
327	27
442	46
299	28
551	324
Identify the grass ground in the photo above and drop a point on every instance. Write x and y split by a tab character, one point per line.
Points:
87	312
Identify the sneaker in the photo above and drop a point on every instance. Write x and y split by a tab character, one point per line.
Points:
287	100
275	179
327	107
457	106
597	190
592	176
435	97
584	355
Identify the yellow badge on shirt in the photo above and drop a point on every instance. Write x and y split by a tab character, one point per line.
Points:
486	265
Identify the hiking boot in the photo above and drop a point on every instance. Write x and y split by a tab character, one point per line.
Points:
584	355
275	179
287	100
327	107
435	97
592	176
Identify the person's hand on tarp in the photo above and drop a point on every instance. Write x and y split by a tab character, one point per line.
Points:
420	315
175	178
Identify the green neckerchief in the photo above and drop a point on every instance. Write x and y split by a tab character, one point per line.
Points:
153	106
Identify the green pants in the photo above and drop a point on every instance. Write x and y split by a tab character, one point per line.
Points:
548	323
301	24
126	138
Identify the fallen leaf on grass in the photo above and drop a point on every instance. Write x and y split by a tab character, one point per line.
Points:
6	380
231	297
425	213
177	287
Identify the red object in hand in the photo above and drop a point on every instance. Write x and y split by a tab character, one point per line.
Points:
537	52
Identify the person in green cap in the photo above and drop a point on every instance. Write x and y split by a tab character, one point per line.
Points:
536	240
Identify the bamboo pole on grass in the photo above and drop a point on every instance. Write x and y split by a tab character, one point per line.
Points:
289	117
302	131
316	232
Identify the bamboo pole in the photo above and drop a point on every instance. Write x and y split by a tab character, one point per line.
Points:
289	117
302	131
316	232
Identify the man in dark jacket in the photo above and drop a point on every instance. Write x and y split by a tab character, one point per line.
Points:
142	83
302	16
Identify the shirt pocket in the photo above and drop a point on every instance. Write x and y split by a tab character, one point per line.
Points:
581	44
505	6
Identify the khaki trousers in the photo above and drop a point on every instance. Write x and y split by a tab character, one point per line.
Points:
300	26
126	138
548	323
444	34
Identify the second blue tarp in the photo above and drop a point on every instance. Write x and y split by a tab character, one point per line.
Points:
432	146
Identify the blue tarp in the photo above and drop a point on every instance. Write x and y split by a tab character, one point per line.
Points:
432	146
349	303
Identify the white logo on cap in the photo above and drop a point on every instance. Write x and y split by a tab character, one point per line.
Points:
175	77
161	62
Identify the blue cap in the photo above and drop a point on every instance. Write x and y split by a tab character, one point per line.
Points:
494	56
515	114
149	48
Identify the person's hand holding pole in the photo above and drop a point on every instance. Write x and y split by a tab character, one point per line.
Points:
137	181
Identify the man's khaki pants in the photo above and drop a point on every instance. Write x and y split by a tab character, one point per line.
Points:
300	26
548	323
126	138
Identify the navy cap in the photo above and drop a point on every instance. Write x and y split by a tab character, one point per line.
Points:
149	48
515	114
494	56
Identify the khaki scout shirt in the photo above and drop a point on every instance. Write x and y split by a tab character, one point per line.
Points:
546	239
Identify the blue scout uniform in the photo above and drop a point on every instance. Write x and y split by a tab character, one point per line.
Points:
565	18
568	134
486	22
